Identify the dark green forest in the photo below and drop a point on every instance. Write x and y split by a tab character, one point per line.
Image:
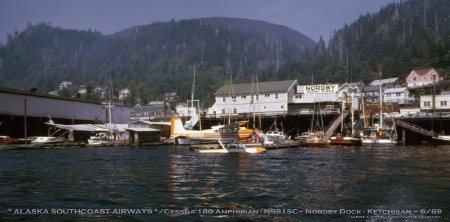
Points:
155	59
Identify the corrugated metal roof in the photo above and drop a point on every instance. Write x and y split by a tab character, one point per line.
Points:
263	87
383	81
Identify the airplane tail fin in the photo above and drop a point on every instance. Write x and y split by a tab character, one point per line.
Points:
176	127
50	121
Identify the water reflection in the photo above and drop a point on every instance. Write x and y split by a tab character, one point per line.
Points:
174	177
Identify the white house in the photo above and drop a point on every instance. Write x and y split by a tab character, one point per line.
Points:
123	94
266	98
398	95
442	102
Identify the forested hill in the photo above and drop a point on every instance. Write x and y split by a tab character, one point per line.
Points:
400	37
152	59
158	58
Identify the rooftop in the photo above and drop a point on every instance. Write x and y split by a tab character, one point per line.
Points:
261	87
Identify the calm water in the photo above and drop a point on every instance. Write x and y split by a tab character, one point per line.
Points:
173	178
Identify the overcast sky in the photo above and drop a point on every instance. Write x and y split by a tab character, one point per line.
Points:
313	18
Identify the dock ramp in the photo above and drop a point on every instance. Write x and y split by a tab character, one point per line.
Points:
335	125
415	128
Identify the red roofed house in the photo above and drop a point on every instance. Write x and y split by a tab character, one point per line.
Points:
421	78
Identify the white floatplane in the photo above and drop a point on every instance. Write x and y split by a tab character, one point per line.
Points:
235	147
224	133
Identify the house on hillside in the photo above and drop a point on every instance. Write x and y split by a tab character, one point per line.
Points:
399	95
387	83
423	77
267	98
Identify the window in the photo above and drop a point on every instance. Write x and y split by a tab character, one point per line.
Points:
267	95
243	96
234	98
443	103
414	78
223	111
234	110
426	103
223	99
398	94
276	95
282	107
329	107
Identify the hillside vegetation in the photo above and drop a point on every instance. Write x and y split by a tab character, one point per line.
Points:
159	58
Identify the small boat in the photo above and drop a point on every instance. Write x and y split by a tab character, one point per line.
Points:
274	137
101	139
7	140
441	140
316	139
47	140
235	147
301	139
381	137
345	140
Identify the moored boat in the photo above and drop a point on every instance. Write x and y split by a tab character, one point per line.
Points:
101	139
345	141
383	137
316	139
7	140
47	140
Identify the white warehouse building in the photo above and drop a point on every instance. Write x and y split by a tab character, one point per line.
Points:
266	98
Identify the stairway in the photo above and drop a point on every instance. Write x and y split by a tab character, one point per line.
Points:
415	128
335	125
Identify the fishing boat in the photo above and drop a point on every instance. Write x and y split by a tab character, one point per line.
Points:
301	139
316	139
345	140
379	134
351	139
235	147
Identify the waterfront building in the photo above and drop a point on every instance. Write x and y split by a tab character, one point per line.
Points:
422	78
39	106
314	97
266	98
442	102
398	95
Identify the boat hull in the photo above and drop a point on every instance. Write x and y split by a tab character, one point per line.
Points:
345	141
234	150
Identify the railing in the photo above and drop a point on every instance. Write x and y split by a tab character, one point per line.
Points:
415	128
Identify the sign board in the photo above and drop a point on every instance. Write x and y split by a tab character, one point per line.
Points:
332	88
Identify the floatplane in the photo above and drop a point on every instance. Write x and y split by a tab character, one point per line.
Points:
234	147
225	133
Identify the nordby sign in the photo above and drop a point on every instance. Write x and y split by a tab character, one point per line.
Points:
321	88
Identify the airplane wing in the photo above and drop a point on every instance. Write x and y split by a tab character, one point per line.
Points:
79	127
